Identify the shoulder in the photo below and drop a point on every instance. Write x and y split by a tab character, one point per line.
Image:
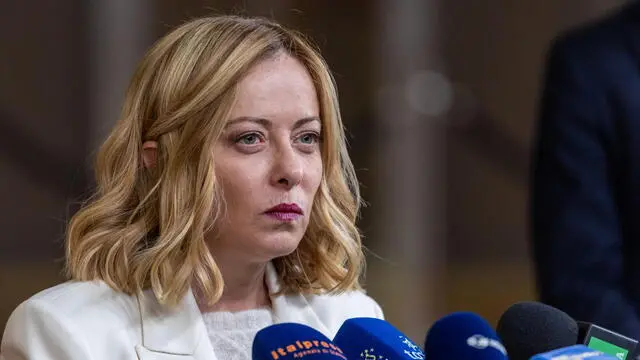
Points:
67	314
355	303
600	45
73	301
334	309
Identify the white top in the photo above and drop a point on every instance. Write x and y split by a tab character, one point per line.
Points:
232	333
90	321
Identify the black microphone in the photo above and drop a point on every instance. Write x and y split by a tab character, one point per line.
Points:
530	328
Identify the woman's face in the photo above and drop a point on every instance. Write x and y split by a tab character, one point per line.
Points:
268	162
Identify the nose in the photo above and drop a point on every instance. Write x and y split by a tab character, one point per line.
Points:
288	168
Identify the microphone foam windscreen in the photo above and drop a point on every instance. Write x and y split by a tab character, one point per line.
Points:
530	328
463	336
287	341
371	338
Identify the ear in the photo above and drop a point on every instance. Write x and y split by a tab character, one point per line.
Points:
149	153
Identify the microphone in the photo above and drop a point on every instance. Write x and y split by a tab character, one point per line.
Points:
375	339
575	352
463	336
607	341
529	328
288	341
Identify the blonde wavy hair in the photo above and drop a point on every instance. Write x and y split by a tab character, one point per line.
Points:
145	228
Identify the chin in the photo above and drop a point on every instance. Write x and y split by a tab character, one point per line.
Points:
280	246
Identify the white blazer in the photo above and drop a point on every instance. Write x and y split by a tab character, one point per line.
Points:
90	321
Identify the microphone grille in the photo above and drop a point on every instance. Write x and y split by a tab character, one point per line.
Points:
529	328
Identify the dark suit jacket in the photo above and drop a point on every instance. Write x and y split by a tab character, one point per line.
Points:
586	174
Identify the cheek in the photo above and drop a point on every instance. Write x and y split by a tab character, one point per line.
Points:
237	184
314	174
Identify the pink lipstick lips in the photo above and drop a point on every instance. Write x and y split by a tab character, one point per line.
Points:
285	212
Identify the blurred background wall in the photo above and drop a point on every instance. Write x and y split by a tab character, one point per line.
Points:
438	96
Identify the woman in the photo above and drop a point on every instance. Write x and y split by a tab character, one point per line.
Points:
226	202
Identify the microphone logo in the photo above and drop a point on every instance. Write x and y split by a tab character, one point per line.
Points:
414	352
482	342
307	347
409	344
367	354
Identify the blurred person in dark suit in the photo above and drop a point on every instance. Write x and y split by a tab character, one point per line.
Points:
586	174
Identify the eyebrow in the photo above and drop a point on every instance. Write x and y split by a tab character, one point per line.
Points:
267	123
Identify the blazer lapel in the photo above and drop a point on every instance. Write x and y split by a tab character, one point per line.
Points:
177	333
292	307
180	333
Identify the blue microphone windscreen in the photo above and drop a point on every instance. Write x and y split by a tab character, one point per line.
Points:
288	341
575	352
463	336
371	338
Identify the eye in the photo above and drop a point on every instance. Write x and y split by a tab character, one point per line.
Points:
309	138
249	139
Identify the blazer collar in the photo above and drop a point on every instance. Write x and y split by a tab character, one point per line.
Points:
181	331
293	308
176	331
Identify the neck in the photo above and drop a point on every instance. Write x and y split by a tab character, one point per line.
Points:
244	288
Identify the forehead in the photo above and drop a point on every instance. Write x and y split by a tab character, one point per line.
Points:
279	87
